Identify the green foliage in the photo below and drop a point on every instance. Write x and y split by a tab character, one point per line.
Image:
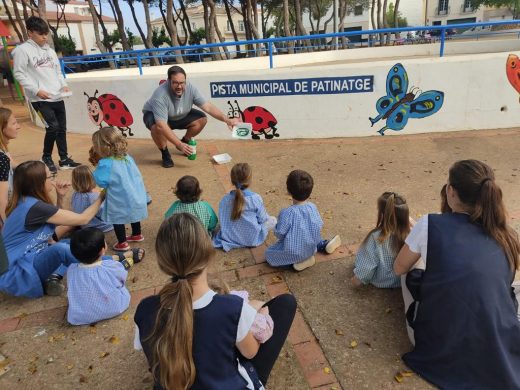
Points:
112	38
131	38
513	5
64	45
160	37
198	35
401	21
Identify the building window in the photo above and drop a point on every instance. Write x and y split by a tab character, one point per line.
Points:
228	28
358	10
443	6
241	26
468	5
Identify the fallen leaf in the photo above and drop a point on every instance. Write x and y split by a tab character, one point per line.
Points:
114	340
338	332
91	367
92	329
32	369
104	355
326	370
70	366
3	361
407	374
83	379
353	344
125	317
398	378
276	279
135	279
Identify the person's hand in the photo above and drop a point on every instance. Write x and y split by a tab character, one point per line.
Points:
264	310
257	305
230	122
184	149
356	282
43	94
102	195
65	89
62	187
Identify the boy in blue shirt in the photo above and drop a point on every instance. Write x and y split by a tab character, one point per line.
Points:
299	228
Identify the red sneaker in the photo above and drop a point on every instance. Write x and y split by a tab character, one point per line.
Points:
136	238
121	246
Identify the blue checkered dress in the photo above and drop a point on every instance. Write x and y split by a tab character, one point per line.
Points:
298	231
375	263
248	230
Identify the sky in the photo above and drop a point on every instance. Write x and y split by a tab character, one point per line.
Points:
127	15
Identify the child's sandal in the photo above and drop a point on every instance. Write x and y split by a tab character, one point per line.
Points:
127	262
135	254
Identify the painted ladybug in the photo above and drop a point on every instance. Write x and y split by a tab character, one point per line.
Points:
110	109
261	119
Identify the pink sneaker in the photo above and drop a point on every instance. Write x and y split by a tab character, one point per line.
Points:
123	246
136	238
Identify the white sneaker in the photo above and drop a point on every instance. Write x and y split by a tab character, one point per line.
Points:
304	264
333	244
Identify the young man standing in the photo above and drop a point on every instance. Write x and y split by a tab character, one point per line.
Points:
37	69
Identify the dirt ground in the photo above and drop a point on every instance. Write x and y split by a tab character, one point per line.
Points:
360	332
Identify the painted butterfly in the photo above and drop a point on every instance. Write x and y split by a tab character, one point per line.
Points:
399	105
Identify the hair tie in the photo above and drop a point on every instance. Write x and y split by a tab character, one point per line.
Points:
176	278
484	181
239	186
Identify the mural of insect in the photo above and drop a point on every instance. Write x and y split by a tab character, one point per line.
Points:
261	120
513	71
110	109
398	105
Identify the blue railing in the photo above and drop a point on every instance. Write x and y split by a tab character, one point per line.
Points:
273	46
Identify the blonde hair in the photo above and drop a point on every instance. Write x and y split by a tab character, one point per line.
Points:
184	251
241	175
109	142
5	114
82	179
393	220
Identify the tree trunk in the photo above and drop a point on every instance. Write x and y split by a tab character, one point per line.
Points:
232	26
118	15
342	14
134	17
149	32
299	22
186	19
380	21
24	8
95	24
14	22
396	17
253	24
213	16
385	21
287	30
183	25
18	19
173	29
42	12
163	15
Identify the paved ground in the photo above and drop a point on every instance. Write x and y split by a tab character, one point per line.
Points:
341	338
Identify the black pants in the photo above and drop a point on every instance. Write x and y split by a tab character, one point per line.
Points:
120	231
282	310
53	113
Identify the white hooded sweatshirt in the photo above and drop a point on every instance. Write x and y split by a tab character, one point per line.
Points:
38	68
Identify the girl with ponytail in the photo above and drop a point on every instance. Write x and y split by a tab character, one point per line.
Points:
376	255
466	327
194	338
244	222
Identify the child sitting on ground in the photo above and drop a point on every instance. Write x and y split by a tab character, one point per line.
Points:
84	195
117	173
96	286
244	222
299	228
188	191
376	255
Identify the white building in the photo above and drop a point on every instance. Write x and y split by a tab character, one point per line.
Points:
78	18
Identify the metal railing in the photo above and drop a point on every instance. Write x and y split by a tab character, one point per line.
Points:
275	46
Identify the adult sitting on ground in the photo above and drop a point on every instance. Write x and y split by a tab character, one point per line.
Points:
171	107
9	129
467	333
31	231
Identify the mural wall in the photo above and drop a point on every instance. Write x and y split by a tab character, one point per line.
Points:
341	100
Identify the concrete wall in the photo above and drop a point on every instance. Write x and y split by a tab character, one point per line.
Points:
477	95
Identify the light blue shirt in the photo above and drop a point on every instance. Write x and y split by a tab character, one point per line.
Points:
245	232
125	200
298	231
375	263
96	292
80	201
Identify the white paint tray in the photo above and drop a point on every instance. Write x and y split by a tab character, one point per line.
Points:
223	158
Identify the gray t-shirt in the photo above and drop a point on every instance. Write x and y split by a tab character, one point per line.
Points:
166	106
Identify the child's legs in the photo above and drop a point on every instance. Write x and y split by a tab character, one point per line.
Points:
61	135
282	310
48	260
120	232
136	228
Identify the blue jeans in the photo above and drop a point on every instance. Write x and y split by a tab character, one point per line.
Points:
53	260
